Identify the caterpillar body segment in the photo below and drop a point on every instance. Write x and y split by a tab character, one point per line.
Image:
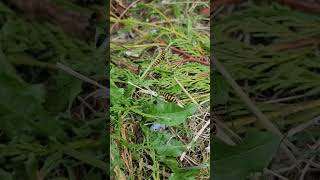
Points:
169	97
161	58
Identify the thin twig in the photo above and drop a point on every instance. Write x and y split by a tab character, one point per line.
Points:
185	91
253	108
300	43
197	60
228	129
191	160
190	58
274	174
29	61
150	65
285	169
140	169
80	76
316	145
303	126
144	90
122	14
86	104
285	99
194	139
222	135
316	165
306	167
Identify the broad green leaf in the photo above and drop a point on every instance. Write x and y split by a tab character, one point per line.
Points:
171	114
252	155
165	144
16	111
15	107
117	95
62	89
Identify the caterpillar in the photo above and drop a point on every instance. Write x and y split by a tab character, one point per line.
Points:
168	97
161	58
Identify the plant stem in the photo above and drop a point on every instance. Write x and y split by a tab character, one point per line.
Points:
253	108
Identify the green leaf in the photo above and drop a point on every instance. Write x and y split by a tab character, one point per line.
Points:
252	155
117	95
15	107
62	89
16	111
171	114
176	10
164	144
117	158
171	162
